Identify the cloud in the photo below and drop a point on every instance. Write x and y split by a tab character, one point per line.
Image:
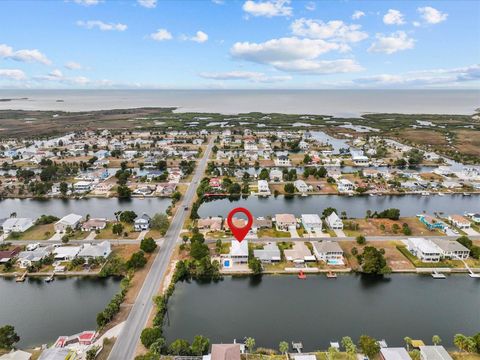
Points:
57	76
200	37
72	65
161	35
310	6
392	43
218	2
295	55
357	14
244	75
12	74
432	15
87	2
335	30
24	55
268	8
424	77
103	26
393	17
149	4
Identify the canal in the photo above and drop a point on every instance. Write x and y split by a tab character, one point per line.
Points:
96	207
355	206
319	310
41	312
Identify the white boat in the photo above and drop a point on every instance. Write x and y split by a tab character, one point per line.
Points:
466	194
425	193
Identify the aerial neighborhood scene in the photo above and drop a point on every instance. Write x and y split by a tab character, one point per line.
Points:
239	180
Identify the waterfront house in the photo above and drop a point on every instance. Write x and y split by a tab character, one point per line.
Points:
270	253
345	185
358	158
215	183
93	251
475	217
263	188
142	223
311	222
30	257
94	224
238	252
66	253
224	352
334	222
431	223
276	175
282	160
451	249
82	186
328	251
17	225
210	224
7	255
299	253
261	223
71	221
459	221
425	250
394	353
284	221
434	352
301	186
16	355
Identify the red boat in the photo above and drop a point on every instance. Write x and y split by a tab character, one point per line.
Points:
301	275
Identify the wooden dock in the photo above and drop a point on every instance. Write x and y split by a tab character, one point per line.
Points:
22	277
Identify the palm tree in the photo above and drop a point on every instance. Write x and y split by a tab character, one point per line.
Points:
250	344
13	215
459	340
436	340
283	347
470	344
331	352
349	346
408	342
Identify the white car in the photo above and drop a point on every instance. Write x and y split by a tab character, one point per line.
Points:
31	247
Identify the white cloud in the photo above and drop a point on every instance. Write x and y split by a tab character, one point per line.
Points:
57	76
416	23
393	17
424	77
310	6
218	2
268	8
149	4
161	35
295	55
244	75
432	15
335	30
12	74
87	2
24	55
72	65
103	26
357	14
200	37
392	43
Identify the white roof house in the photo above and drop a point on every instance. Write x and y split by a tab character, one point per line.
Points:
276	175
451	249
334	222
395	353
96	250
263	187
66	252
424	249
238	251
311	222
435	352
70	220
345	185
300	185
17	225
16	355
328	251
268	254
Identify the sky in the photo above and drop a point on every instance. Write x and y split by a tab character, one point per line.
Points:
239	44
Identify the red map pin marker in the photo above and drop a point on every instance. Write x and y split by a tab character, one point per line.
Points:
239	233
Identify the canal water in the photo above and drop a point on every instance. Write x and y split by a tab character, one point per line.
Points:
355	206
319	310
96	207
41	312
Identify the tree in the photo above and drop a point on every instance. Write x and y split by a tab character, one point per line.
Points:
361	240
200	345
160	222
283	348
331	352
179	347
264	174
255	265
124	192
198	250
408	342
63	188
369	346
150	335
460	340
289	188
128	216
373	261
137	260
349	346
148	245
250	344
328	211
8	337
436	340
117	228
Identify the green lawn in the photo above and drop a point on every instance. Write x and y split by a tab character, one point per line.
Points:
36	232
274	233
107	232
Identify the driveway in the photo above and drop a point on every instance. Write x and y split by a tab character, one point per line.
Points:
142	234
470	232
340	233
56	237
91	236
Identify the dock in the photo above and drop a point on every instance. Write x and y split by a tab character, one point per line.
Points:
22	277
50	278
437	275
297	346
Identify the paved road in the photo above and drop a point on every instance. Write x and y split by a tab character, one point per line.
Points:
126	343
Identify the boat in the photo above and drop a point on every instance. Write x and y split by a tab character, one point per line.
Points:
441	194
301	275
466	194
331	275
50	278
425	193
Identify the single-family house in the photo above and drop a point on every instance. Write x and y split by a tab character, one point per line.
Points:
284	221
359	158
238	252
475	217
142	223
210	224
261	223
345	185
328	251
7	255
93	251
394	353
301	186
270	253
224	352
263	188
66	253
299	253
71	221
334	222
425	250
282	160
434	352
431	223
94	224
311	222
17	225
82	186
16	355
459	221
30	257
215	183
276	175
451	249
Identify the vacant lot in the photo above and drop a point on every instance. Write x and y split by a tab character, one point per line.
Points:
468	142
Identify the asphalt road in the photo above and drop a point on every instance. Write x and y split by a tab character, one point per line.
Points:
126	343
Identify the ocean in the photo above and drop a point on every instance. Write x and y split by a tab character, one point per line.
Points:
343	103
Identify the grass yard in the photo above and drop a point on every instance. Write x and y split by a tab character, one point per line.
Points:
36	232
108	234
274	233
